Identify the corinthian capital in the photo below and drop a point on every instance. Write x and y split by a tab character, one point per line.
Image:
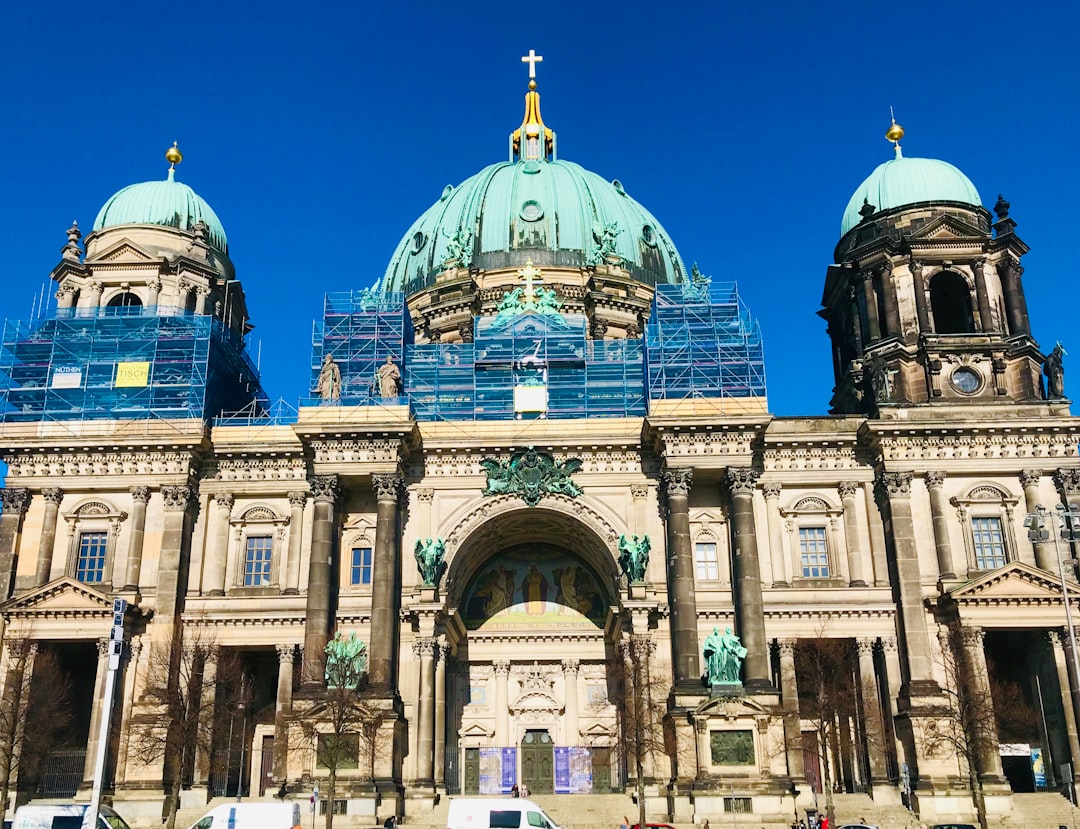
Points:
935	478
1030	477
53	495
387	487
740	480
895	484
15	501
677	480
177	497
326	488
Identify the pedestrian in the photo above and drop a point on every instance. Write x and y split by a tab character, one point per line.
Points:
390	822
515	791
524	789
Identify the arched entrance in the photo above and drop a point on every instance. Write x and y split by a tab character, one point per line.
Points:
534	593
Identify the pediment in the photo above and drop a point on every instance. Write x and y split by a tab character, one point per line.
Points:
597	730
126	251
945	227
475	730
732	707
1015	582
536	702
63	597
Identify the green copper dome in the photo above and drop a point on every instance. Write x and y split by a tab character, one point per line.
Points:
509	212
167	203
904	181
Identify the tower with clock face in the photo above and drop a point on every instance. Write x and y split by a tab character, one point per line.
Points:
925	304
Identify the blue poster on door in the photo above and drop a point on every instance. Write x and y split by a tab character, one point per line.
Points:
509	769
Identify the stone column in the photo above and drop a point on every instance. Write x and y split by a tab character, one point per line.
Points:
878	553
776	535
90	296
297	501
1068	696
440	714
14	502
917	658
502	694
325	491
425	647
18	670
47	542
127	704
65	295
938	510
175	543
96	711
982	297
1044	550
153	290
789	698
857	560
385	576
746	578
1015	304
873	325
891	324
282	707
704	756
209	692
975	661
891	652
217	563
202	304
570	678
871	705
684	635
919	284
140	497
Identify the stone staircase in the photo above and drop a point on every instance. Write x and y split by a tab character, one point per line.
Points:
1044	809
852	808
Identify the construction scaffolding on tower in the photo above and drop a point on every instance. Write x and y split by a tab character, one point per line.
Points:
131	363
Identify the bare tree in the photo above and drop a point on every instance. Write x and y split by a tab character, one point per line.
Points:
979	707
828	700
181	705
35	713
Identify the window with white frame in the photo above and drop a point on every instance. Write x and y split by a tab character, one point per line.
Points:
705	561
813	553
258	560
989	542
360	567
90	564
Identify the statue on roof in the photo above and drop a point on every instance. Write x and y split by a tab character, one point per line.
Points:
1054	369
459	250
604	245
328	386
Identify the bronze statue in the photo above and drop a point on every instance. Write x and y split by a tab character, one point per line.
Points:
724	655
430	555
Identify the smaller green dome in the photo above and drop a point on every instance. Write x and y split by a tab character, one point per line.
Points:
902	181
167	203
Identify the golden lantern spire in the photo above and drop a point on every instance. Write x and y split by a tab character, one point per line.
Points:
174	157
894	133
532	141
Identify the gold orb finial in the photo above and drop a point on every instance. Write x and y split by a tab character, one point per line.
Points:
173	155
895	132
532	85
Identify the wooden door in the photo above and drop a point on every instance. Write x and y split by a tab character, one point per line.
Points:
472	771
266	773
538	762
601	770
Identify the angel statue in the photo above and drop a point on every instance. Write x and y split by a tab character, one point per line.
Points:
346	661
634	557
430	556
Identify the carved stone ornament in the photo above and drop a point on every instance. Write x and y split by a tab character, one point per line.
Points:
531	474
177	497
140	494
298	499
677	480
896	483
326	488
387	486
1030	477
848	489
53	495
15	501
741	479
225	501
935	478
1068	480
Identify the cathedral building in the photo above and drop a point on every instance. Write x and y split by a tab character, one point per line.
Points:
536	494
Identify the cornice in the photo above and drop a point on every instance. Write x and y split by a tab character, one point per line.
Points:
1048	438
68	465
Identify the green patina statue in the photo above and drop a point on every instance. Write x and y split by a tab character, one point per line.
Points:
604	247
634	557
531	475
724	655
346	661
459	249
430	555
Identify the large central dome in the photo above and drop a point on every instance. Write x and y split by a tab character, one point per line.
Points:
533	207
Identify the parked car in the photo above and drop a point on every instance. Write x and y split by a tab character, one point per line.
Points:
496	813
65	816
954	826
282	815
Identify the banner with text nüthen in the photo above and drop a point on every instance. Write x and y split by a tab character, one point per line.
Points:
66	377
132	375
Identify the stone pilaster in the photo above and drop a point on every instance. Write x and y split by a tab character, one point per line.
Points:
96	712
15	502
426	648
871	706
209	701
919	284
746	578
982	296
1044	550
570	681
935	481
1068	693
701	741
916	654
385	576
47	543
175	545
789	699
684	637
127	705
776	534
140	497
440	714
1015	304
297	501
974	657
857	560
217	563
502	701
325	491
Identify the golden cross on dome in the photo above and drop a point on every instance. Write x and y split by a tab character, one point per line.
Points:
532	59
533	277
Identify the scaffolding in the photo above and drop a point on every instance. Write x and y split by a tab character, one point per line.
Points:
360	329
702	342
127	363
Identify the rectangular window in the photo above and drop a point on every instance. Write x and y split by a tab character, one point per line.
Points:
705	559
360	571
989	543
90	567
813	554
257	558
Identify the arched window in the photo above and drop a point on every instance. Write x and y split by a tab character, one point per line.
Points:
126	299
950	301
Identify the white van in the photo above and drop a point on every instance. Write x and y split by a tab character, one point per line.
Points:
64	816
497	813
281	815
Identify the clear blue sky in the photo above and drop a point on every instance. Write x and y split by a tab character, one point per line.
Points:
318	132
